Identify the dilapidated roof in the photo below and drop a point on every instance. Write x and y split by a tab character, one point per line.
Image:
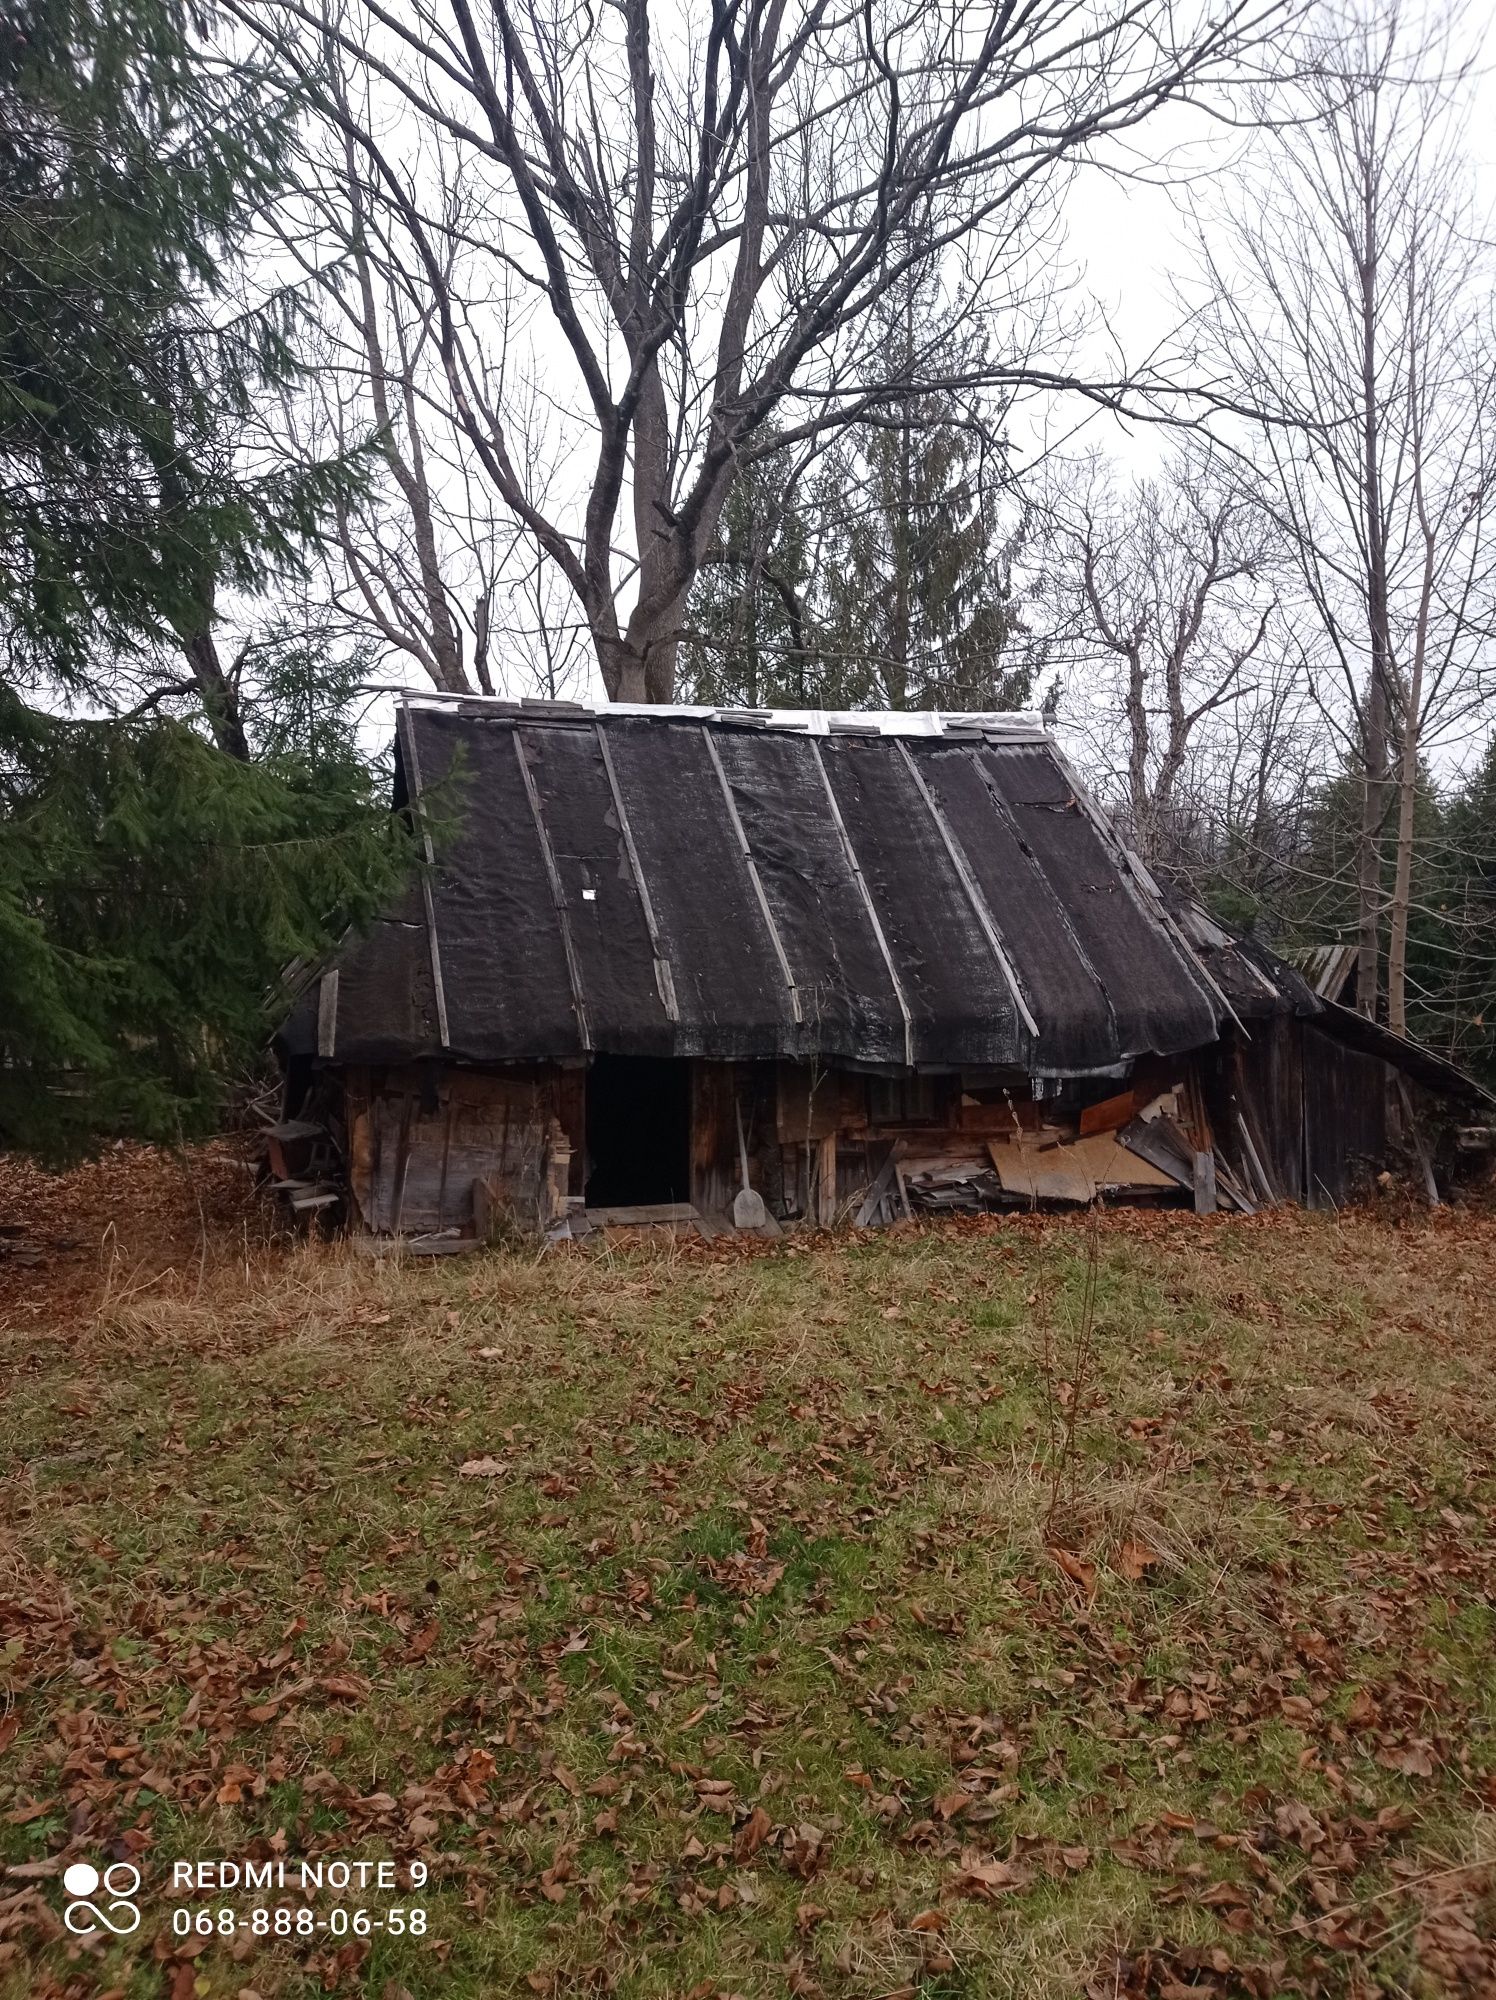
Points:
1329	968
1258	984
884	890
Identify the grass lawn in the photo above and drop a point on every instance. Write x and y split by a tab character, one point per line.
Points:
1011	1608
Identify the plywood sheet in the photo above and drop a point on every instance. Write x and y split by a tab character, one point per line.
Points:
1110	1115
1073	1171
1111	1164
1048	1173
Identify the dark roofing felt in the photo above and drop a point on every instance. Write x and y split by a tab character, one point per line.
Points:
676	883
1258	983
1425	1066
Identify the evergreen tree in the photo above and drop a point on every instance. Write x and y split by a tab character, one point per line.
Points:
882	578
751	642
131	167
153	892
155	874
920	602
1452	922
1464	897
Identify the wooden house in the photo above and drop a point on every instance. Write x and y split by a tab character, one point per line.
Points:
876	964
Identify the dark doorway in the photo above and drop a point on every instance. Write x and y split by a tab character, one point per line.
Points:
638	1131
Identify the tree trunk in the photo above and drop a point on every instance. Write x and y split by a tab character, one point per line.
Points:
1136	710
622	667
1376	713
1397	944
1407	777
639	664
194	625
1374	734
219	695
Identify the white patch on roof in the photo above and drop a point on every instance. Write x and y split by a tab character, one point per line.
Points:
1024	725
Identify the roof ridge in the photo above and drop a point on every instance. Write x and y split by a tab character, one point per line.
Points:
1025	724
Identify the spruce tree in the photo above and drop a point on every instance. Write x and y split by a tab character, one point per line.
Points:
1462	896
752	638
882	575
920	604
156	874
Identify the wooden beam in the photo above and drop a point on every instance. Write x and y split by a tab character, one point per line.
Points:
867	900
752	866
413	760
558	893
973	890
643	1215
664	976
872	1201
826	1181
327	1013
1254	1160
1431	1186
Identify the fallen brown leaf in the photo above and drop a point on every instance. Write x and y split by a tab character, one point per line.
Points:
752	1834
1077	1569
1135	1559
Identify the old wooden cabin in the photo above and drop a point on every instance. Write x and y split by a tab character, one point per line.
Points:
877	963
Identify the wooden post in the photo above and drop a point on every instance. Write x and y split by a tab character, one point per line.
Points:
826	1181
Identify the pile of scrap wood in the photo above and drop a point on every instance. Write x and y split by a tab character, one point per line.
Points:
1051	1167
303	1167
1154	1151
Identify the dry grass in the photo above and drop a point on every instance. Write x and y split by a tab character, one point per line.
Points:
862	1618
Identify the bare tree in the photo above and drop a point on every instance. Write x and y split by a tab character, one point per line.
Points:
1164	602
677	232
1349	289
422	568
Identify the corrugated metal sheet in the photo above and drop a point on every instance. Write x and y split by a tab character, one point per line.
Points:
720	886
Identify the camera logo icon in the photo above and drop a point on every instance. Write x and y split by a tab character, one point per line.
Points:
120	1883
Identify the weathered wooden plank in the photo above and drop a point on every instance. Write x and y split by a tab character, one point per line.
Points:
714	1175
1254	1161
1110	1115
807	1103
643	1215
327	1013
826	1181
872	1201
1431	1186
1158	1142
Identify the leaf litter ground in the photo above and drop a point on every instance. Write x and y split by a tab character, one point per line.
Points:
1014	1608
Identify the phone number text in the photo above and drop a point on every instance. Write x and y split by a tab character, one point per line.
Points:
279	1920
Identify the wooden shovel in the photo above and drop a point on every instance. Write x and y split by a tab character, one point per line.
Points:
748	1211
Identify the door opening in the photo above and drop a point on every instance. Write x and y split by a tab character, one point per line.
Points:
638	1131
